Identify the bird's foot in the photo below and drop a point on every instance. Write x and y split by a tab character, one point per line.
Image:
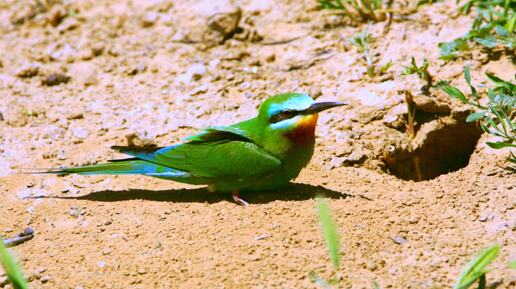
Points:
238	200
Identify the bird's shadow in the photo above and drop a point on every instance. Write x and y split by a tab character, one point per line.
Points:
293	192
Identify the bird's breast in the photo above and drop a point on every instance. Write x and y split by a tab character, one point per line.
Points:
304	131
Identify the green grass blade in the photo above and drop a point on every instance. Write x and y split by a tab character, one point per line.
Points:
467	76
475	116
11	268
499	117
452	91
477	267
500	145
329	230
500	82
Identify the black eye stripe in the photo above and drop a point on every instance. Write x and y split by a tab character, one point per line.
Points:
282	115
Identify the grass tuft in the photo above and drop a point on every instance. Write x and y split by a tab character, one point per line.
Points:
359	10
420	71
498	116
493	28
362	41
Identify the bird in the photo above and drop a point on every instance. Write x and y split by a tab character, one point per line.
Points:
263	153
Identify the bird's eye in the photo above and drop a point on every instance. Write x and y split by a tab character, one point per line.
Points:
282	115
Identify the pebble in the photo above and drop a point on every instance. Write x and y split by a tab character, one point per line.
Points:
142	271
67	53
61	155
23	13
193	73
80	133
52	132
75	211
84	73
56	15
399	240
101	264
34	193
28	70
45	279
97	49
199	90
142	138
55	79
149	19
222	26
29	231
254	257
140	68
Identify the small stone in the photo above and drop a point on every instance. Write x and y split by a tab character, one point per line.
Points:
28	192
254	257
222	26
143	138
141	67
74	115
28	70
75	212
52	132
55	79
106	251
31	209
61	155
85	74
261	237
149	19
56	15
80	133
67	53
97	49
1	117
24	12
101	264
356	157
28	231
142	271
399	240
68	24
371	266
45	279
195	72
199	90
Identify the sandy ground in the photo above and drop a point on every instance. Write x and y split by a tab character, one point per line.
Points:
79	77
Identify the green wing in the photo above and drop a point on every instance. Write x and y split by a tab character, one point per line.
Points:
216	153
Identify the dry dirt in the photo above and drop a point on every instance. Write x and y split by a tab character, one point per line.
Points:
80	76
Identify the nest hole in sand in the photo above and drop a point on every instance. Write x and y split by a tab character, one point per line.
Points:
442	144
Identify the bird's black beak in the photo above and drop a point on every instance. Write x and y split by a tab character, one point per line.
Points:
320	106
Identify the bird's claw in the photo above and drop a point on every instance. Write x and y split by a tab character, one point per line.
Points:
238	200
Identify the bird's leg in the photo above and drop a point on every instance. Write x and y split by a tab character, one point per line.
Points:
238	200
